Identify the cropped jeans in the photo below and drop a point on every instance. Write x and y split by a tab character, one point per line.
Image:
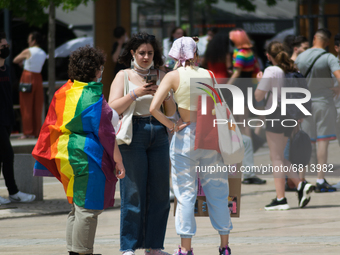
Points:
185	161
144	191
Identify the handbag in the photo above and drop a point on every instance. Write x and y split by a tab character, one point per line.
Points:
26	87
230	142
124	127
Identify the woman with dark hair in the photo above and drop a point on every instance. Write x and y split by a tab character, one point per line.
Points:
145	189
77	145
270	81
31	100
217	57
176	32
184	159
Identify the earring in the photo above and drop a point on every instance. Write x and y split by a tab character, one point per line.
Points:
132	65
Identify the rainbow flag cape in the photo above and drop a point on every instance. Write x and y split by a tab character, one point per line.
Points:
76	145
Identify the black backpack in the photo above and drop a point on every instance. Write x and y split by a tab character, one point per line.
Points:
296	80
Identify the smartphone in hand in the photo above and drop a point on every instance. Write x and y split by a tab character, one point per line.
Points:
151	79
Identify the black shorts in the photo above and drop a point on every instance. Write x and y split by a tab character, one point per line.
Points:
276	126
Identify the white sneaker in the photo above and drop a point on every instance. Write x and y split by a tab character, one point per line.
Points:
22	197
128	253
4	201
337	186
155	252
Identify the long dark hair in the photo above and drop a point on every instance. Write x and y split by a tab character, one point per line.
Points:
134	43
277	51
217	49
173	31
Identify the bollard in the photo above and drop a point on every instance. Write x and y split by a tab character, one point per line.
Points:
23	174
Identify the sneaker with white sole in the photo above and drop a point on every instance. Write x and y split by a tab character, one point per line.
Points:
4	201
304	193
155	252
337	186
22	197
277	205
128	253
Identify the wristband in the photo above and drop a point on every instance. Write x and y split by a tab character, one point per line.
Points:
173	128
134	94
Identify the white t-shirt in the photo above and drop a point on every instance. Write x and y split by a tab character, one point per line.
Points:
273	77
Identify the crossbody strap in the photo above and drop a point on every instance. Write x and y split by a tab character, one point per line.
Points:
126	83
310	68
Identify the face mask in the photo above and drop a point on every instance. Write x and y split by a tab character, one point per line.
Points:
4	53
142	68
100	78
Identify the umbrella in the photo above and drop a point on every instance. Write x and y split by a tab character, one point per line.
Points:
66	49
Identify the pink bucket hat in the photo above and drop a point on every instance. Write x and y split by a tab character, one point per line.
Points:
183	49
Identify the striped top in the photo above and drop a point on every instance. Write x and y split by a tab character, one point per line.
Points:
244	59
76	145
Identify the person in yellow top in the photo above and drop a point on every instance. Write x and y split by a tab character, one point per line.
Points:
184	158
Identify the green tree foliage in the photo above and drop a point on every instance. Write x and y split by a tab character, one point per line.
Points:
33	10
248	5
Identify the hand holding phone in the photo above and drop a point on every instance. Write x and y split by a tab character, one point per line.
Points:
151	79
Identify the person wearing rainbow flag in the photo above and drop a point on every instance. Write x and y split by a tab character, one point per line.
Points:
77	145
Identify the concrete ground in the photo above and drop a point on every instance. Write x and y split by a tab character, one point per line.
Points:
39	227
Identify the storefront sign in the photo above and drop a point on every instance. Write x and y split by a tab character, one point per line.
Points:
259	27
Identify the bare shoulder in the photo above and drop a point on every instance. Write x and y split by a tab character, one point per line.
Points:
173	74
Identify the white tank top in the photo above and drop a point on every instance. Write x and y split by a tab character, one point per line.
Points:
35	63
142	103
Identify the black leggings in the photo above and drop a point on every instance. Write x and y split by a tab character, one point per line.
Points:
7	159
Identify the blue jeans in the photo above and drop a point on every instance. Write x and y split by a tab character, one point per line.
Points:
144	191
184	162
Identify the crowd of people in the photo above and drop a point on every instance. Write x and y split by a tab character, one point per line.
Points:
150	87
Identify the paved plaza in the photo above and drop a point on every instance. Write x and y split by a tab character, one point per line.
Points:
39	227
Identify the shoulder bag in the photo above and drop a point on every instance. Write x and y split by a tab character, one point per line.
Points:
125	125
26	87
229	137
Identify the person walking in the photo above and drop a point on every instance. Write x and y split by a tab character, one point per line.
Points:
145	189
31	101
277	134
244	67
182	154
6	122
317	64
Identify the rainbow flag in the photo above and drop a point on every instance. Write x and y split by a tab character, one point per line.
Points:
76	145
